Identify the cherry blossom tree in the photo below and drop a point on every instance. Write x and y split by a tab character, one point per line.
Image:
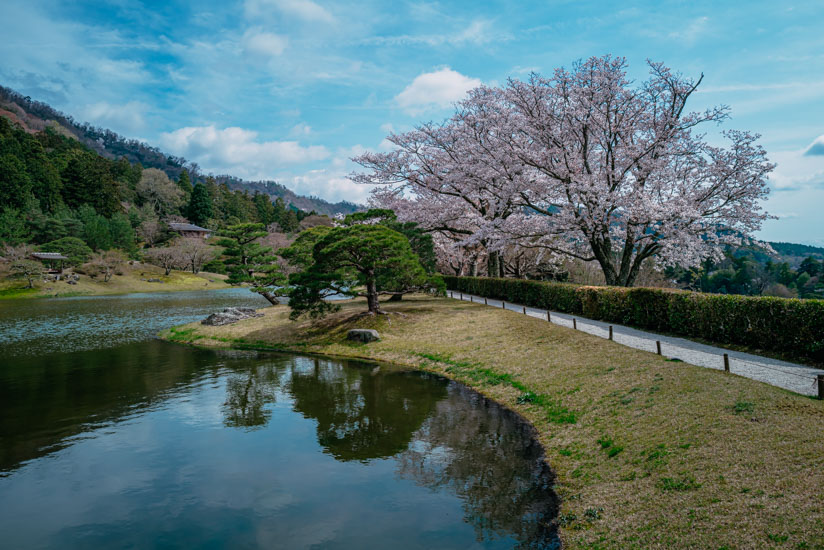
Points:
583	164
462	183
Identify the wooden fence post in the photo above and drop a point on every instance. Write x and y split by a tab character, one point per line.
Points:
574	323
524	310
610	332
503	304
485	303
821	386
461	295
658	346
726	363
548	318
471	298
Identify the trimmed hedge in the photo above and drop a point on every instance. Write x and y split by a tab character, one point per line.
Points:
790	326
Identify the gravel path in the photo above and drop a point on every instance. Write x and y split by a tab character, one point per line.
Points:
791	376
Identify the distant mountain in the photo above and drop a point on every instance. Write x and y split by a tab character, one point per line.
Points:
793	253
35	116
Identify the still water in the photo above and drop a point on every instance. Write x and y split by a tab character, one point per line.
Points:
110	438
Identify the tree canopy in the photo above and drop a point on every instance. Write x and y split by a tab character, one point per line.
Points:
357	260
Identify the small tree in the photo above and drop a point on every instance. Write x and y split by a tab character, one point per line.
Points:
167	257
151	231
19	264
359	260
194	253
106	263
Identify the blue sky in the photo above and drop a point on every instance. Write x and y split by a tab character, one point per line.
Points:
290	89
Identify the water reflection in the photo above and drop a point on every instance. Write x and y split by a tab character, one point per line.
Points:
364	414
480	451
151	444
247	396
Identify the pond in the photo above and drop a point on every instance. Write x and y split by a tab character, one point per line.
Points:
111	438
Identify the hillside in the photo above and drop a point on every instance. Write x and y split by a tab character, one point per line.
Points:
34	116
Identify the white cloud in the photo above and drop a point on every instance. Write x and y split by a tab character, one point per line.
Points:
797	169
437	89
300	129
816	148
477	33
692	31
237	151
267	44
126	119
302	9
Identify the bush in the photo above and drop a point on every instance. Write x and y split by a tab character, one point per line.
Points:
791	326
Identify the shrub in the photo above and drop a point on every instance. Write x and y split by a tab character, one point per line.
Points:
791	326
73	248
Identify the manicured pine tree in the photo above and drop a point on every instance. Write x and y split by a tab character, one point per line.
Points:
359	260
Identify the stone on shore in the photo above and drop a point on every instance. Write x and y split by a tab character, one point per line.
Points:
364	335
230	315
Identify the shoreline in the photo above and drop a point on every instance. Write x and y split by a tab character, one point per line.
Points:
633	439
133	280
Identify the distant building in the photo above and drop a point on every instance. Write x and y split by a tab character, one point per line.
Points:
190	230
53	260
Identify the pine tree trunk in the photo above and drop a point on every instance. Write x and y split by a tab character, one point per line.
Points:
270	297
372	297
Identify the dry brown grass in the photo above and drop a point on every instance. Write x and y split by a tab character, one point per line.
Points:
662	454
130	281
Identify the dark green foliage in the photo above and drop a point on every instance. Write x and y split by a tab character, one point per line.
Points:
215	266
13	230
200	205
358	260
242	254
419	240
185	183
73	248
790	326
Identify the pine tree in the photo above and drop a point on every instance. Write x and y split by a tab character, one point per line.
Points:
199	210
185	183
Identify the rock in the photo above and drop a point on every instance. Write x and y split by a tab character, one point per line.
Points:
154	281
230	315
364	335
72	281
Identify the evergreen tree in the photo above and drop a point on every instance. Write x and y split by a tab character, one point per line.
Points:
359	260
185	183
242	251
200	205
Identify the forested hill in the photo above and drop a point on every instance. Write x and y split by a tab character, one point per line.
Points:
35	116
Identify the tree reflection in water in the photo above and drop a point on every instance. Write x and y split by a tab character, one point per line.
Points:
247	395
443	435
364	413
489	457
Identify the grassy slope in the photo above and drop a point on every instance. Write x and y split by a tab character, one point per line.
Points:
127	283
660	454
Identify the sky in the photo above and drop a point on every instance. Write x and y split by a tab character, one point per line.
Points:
290	90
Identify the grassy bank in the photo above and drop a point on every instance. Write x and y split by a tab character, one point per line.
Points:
648	452
134	279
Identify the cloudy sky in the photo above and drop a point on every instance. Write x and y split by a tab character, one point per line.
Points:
290	89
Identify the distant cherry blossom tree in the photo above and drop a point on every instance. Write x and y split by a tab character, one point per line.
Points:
583	165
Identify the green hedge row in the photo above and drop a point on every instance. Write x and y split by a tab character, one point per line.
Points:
794	327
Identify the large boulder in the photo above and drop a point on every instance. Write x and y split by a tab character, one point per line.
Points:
364	335
230	315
